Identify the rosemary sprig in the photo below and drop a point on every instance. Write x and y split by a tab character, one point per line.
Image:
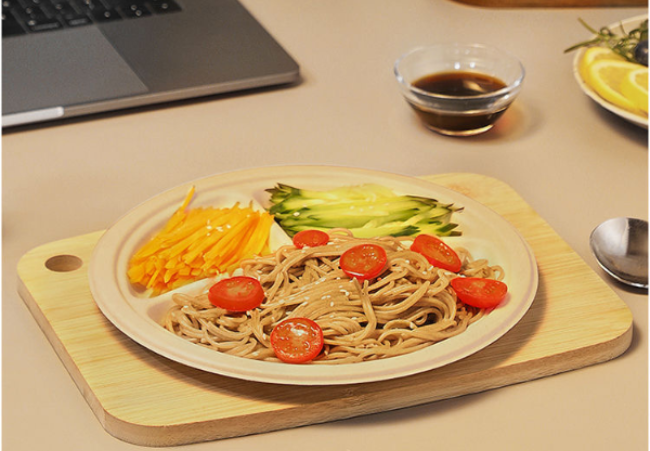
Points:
622	44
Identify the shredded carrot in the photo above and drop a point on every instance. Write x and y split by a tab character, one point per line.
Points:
199	243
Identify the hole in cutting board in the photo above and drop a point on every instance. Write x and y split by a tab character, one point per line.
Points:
63	263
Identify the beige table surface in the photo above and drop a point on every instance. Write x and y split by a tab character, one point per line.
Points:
573	162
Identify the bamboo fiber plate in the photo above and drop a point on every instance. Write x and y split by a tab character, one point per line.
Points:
484	233
576	320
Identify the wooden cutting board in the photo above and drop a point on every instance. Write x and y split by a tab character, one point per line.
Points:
138	396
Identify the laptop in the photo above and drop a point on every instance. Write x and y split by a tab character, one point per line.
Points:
66	58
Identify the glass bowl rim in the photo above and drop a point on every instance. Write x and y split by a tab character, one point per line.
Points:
420	92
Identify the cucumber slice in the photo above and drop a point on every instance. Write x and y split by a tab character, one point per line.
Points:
368	210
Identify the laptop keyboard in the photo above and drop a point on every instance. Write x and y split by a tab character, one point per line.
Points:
34	16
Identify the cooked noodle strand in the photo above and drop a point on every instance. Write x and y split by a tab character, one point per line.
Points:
409	307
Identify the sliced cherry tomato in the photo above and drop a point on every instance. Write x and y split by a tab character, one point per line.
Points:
310	238
365	261
237	294
437	252
297	340
479	292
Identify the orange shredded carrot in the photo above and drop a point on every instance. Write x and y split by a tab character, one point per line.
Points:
199	243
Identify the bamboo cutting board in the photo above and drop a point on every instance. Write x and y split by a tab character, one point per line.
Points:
138	396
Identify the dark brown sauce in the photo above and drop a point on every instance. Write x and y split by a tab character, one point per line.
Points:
459	84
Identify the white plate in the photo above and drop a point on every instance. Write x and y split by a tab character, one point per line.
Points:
641	121
485	234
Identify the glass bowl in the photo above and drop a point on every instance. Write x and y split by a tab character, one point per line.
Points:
459	89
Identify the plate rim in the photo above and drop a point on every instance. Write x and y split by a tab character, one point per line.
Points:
357	372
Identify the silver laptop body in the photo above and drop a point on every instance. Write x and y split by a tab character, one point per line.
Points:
208	47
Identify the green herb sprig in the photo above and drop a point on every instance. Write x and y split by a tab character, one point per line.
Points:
622	44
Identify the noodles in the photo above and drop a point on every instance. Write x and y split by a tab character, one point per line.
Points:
409	307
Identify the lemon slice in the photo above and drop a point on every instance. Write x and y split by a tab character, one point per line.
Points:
635	88
593	54
605	77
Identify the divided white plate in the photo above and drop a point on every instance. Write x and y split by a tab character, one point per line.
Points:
485	234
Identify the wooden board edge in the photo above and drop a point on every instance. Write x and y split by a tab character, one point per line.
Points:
43	323
62	353
360	404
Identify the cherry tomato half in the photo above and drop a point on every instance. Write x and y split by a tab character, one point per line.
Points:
365	261
310	238
437	252
479	292
237	294
297	340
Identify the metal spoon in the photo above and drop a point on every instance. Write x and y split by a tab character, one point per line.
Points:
621	248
